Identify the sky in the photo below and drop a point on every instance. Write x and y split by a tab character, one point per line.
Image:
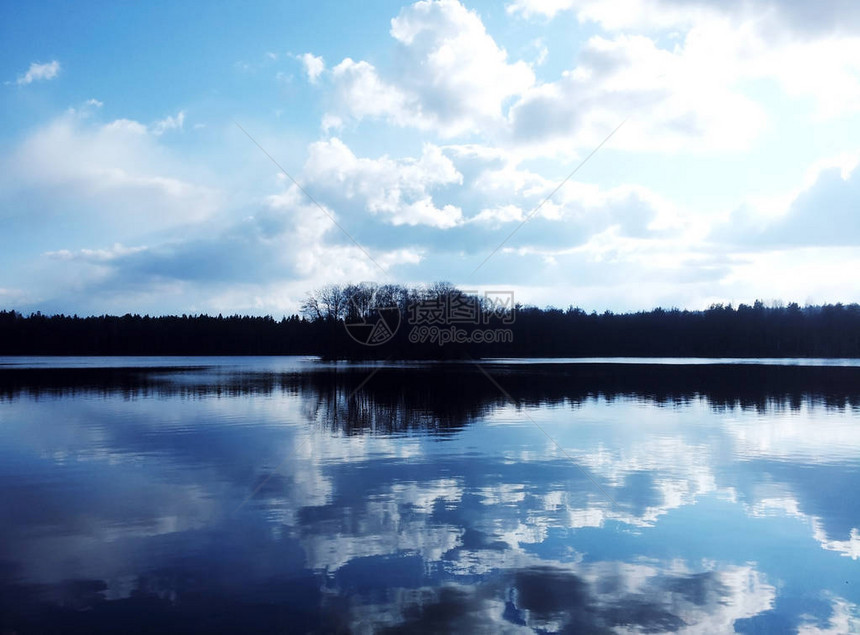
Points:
227	157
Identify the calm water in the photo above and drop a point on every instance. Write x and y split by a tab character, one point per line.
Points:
284	494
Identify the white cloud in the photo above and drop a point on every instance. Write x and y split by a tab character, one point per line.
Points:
542	51
542	8
450	75
825	16
510	193
108	176
452	78
624	15
191	244
805	275
360	93
811	50
314	66
693	77
11	298
500	214
260	264
396	189
821	211
460	74
317	252
825	70
39	72
169	123
95	255
672	100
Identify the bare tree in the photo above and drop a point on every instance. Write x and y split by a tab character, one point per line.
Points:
327	303
311	307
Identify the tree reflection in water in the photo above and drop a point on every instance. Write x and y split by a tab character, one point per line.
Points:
422	499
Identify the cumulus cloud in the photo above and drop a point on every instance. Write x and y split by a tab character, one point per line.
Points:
458	70
811	50
490	137
494	193
828	213
399	190
824	211
453	79
682	84
359	92
262	263
451	76
681	99
314	66
578	211
39	72
177	239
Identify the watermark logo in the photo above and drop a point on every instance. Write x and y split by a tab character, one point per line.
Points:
456	317
371	320
372	316
442	335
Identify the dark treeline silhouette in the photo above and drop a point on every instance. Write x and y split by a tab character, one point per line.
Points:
39	334
413	318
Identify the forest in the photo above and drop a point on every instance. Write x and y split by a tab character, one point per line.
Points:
442	322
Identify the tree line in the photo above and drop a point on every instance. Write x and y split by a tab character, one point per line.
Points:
345	321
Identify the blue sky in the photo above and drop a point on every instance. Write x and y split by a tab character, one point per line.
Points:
429	131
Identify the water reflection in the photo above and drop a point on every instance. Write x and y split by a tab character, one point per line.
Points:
423	499
454	394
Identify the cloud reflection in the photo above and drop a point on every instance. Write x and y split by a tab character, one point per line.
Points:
425	501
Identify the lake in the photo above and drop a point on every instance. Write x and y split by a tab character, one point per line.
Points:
288	494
